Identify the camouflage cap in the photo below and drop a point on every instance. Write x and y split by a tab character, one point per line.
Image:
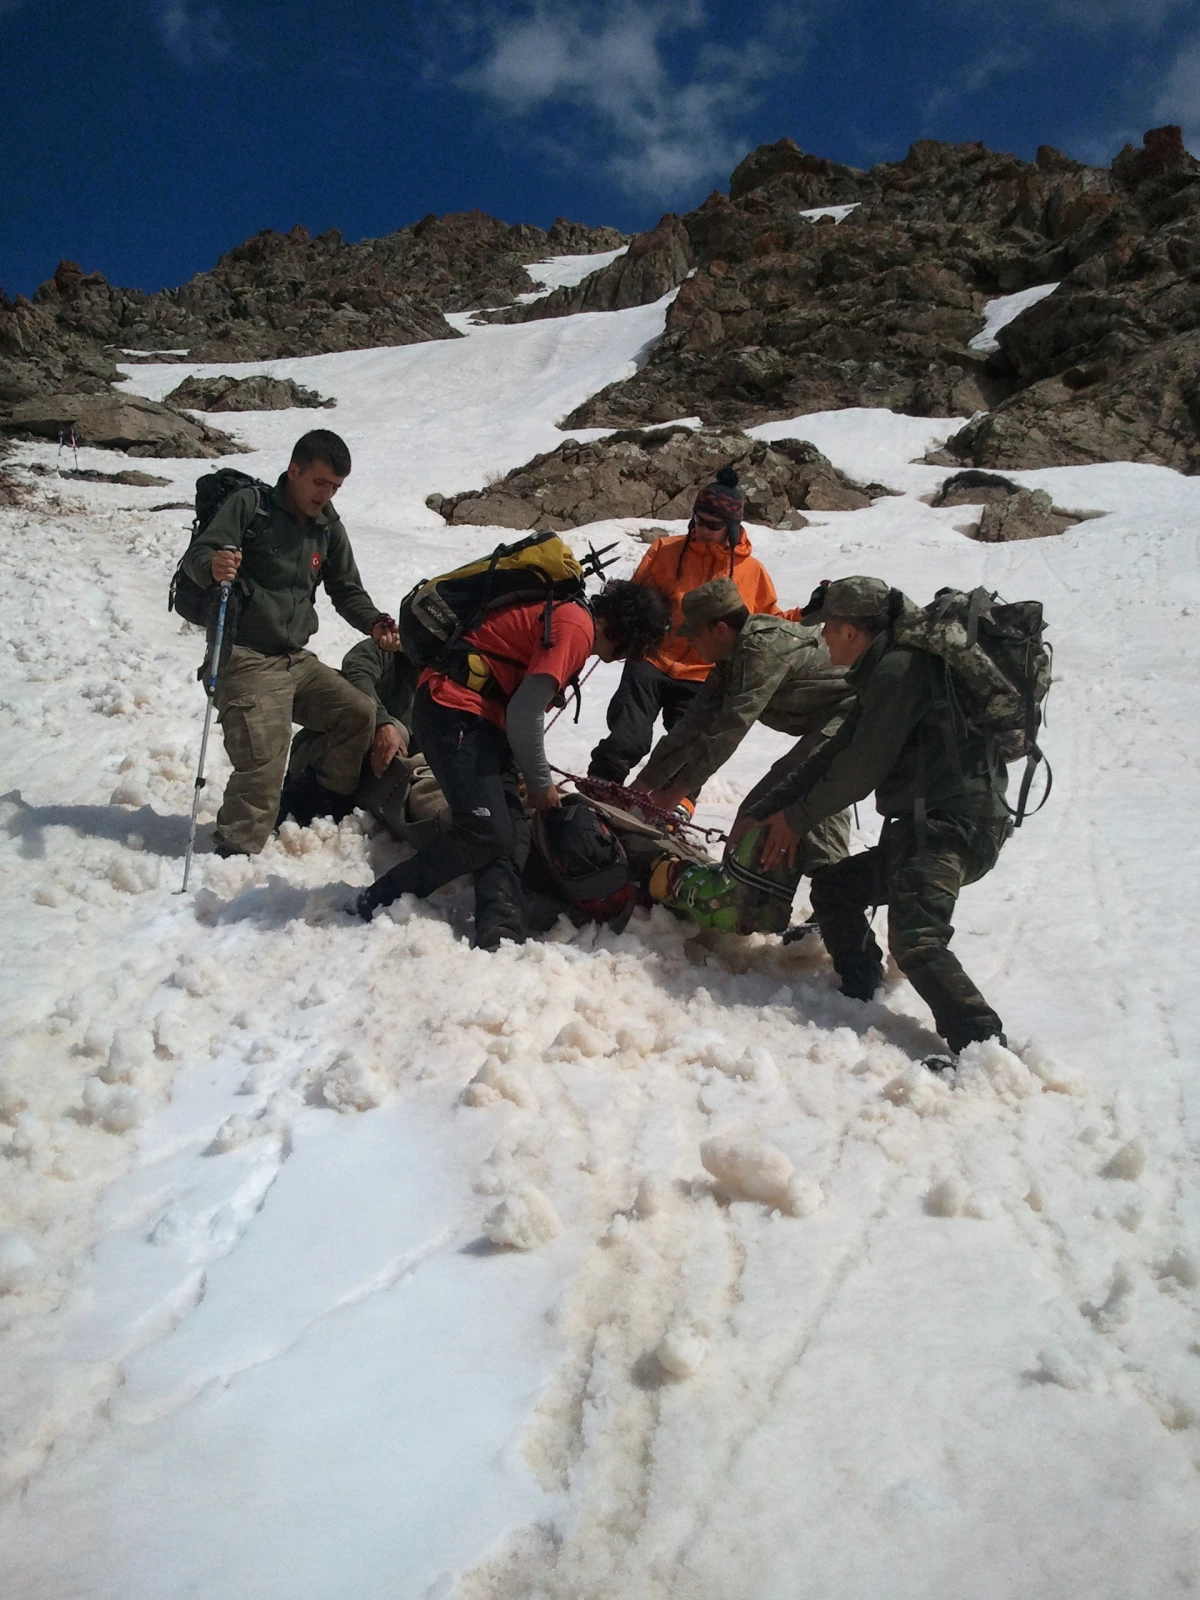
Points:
850	598
709	603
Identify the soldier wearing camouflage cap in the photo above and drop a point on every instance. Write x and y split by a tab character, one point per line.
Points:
769	670
940	791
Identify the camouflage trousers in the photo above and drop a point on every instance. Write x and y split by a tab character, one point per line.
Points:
258	698
920	886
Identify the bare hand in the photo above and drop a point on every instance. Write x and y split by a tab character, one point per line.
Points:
225	565
668	799
385	632
780	843
389	741
544	799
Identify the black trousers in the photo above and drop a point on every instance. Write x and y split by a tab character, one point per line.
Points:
642	694
488	835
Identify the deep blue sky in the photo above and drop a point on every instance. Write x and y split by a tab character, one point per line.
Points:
144	137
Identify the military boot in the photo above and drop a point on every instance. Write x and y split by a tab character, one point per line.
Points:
305	798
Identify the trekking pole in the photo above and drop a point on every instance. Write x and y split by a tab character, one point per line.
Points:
209	690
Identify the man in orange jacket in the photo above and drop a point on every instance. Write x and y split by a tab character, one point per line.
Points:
668	679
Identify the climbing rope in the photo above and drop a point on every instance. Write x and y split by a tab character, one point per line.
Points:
639	804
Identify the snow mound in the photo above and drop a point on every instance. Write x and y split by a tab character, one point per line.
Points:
750	1168
524	1219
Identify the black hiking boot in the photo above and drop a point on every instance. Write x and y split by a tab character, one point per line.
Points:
862	981
305	798
225	851
801	931
942	1063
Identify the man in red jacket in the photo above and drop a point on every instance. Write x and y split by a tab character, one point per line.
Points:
477	725
668	679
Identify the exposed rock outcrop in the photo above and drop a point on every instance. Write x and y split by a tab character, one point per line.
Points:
130	477
1007	511
259	393
785	315
118	422
657	473
1148	409
654	263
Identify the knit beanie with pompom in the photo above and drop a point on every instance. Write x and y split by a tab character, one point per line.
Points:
721	499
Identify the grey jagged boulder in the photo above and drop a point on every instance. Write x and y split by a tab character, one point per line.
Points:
657	473
119	422
1007	510
257	393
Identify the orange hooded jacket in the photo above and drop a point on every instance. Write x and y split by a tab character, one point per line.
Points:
680	564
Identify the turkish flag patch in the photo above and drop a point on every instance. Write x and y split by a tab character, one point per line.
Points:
316	561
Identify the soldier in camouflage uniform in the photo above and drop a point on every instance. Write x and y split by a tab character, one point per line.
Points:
390	680
769	670
397	785
940	790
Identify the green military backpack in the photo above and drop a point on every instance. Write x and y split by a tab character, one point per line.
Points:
193	603
998	673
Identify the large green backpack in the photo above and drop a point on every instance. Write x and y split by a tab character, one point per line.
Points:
998	673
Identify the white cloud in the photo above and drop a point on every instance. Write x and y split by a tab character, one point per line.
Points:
665	103
992	64
1180	97
194	34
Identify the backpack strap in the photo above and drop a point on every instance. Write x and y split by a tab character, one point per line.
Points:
980	601
1033	760
572	686
262	514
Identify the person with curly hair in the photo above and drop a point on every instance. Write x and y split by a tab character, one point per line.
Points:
483	728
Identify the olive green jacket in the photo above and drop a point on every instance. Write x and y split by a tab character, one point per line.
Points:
779	675
282	565
898	743
388	677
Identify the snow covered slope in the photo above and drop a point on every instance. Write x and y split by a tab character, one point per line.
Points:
798	1320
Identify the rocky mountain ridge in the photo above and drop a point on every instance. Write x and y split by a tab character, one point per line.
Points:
782	311
278	295
810	286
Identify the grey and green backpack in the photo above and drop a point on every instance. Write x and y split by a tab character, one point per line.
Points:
998	675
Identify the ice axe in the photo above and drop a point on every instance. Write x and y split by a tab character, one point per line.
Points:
593	563
209	690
